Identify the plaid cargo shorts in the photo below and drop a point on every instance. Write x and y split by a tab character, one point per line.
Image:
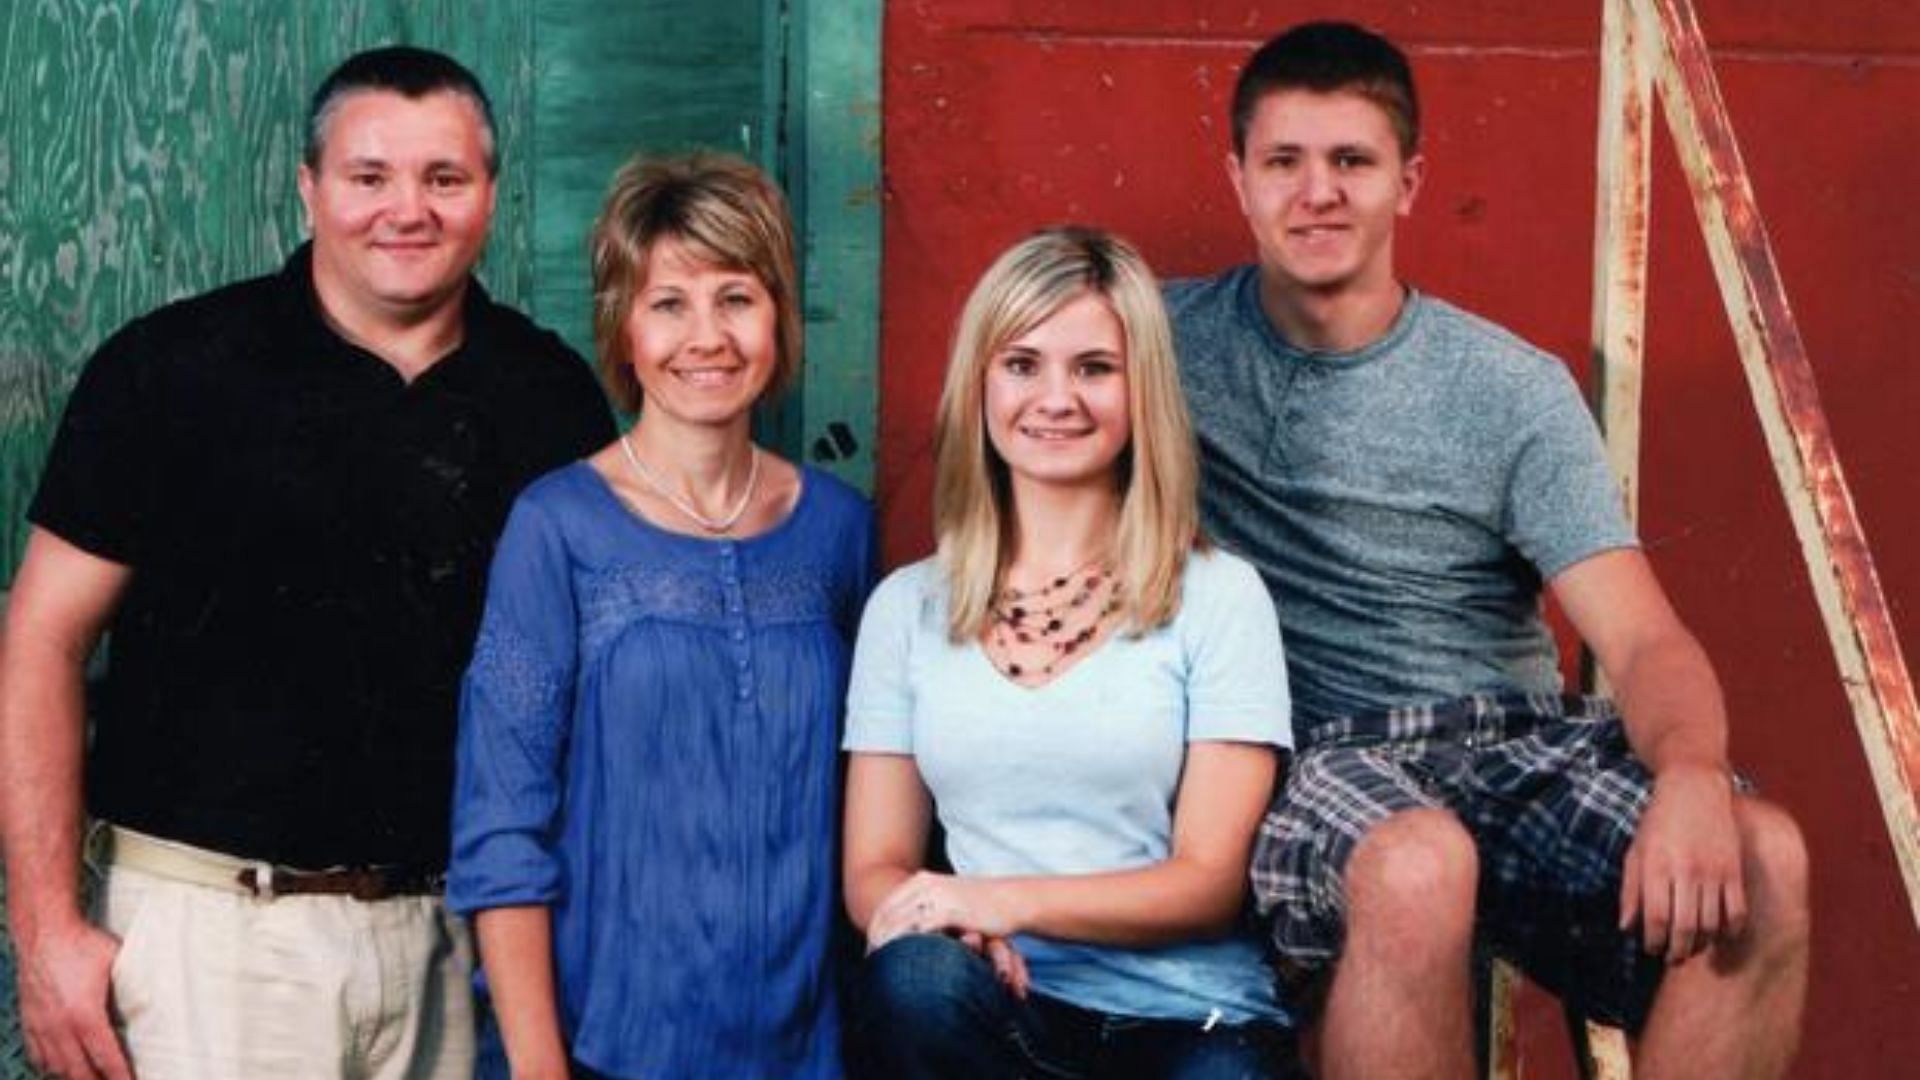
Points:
1551	793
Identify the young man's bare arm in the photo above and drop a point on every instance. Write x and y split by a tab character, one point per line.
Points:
61	600
1683	872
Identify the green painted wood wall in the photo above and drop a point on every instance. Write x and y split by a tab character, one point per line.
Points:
148	151
831	164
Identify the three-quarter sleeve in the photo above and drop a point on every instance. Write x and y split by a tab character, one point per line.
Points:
1237	676
515	714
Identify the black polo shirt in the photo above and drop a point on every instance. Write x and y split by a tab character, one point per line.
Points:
309	536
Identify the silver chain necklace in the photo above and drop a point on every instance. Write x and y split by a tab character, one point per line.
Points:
712	525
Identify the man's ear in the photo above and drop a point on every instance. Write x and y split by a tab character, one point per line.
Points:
1412	174
305	181
1232	162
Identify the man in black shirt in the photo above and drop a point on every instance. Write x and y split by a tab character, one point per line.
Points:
281	497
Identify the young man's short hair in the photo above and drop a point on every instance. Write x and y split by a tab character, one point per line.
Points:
411	72
1325	57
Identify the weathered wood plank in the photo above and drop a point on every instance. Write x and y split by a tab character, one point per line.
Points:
1502	1038
658	76
1621	227
833	173
1622	211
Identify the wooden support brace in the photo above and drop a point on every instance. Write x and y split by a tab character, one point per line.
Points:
1502	1054
1622	215
1858	622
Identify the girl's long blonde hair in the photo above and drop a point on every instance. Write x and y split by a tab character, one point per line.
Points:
1157	474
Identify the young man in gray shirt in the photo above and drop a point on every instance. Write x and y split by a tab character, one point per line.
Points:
1408	477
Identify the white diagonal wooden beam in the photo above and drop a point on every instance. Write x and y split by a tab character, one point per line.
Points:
1852	605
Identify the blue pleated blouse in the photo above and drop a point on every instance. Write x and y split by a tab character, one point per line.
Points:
648	746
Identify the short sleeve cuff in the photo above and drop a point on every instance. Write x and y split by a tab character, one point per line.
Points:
104	543
505	870
1551	563
871	734
1267	725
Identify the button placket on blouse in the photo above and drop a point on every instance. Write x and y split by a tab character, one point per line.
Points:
737	620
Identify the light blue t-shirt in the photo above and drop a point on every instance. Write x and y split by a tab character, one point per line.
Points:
1079	776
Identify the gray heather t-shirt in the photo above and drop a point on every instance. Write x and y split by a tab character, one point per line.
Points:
1403	502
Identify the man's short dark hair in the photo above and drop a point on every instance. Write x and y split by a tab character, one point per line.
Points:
407	70
1328	57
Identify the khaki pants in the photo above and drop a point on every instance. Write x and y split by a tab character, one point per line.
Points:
212	984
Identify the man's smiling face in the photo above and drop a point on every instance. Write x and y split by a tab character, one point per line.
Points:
1322	183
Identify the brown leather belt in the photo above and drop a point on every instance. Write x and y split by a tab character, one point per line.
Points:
359	882
262	880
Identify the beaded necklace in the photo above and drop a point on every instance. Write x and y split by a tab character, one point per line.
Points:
1034	631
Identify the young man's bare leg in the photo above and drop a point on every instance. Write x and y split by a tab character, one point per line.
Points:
1734	1010
1399	1004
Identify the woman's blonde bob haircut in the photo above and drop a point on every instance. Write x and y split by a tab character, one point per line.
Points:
1156	475
727	214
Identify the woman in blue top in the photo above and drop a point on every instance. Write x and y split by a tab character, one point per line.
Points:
1088	698
647	788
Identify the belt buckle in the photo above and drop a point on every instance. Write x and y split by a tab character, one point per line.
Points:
1486	725
369	884
262	883
1480	731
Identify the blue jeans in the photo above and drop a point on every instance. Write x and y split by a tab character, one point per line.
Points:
925	1007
